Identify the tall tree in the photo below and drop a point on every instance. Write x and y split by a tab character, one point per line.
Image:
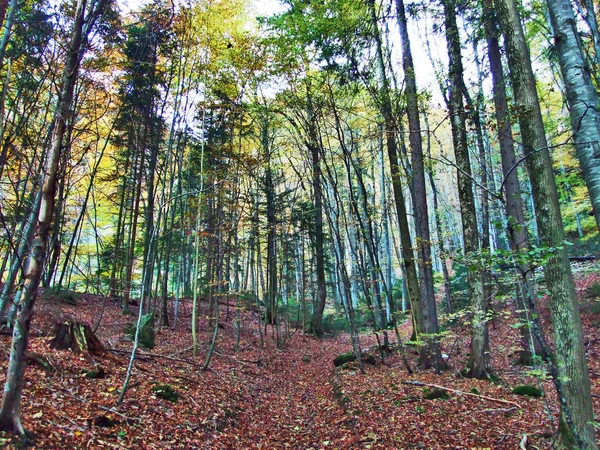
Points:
569	364
582	96
478	365
86	15
515	212
423	239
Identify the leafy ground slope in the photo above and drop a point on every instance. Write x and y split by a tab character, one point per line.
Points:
276	399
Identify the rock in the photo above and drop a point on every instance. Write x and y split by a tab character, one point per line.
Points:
344	358
527	390
166	392
432	394
96	373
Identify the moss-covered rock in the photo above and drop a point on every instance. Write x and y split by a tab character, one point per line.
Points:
432	394
147	337
527	390
166	392
344	358
95	373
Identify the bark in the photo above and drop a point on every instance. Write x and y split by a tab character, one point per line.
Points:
582	96
516	222
431	357
10	409
478	365
569	361
314	148
410	268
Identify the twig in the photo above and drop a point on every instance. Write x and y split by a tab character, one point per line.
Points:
182	351
504	410
485	397
523	443
240	361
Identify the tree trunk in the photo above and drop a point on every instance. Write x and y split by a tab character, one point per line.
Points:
582	96
516	224
10	409
569	363
478	365
410	268
314	148
431	357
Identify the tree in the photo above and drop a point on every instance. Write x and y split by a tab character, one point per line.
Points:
569	366
86	16
582	97
432	358
478	365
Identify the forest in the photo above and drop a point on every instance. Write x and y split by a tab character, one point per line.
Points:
307	224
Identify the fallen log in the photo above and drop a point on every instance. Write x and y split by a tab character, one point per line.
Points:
456	391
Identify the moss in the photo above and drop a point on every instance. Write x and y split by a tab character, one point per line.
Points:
594	290
527	390
344	358
40	361
102	421
475	391
147	337
166	392
432	394
95	373
65	295
566	440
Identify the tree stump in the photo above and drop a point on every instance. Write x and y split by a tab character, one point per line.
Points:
77	337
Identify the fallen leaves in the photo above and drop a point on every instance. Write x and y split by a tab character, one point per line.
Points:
265	398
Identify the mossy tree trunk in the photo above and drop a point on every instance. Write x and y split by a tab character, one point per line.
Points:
478	365
570	371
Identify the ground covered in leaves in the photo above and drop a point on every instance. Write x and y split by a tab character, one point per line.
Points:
269	398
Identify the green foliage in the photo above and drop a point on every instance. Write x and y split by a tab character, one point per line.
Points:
594	290
527	390
166	392
589	245
475	391
459	287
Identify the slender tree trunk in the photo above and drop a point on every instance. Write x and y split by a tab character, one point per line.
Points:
410	268
10	409
517	226
478	365
431	357
314	148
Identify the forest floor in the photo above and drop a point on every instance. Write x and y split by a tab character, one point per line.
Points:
269	398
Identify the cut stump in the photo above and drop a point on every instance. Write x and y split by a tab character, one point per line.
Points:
77	337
